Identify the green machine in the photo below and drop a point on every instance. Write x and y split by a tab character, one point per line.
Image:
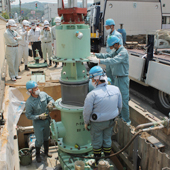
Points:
36	63
73	48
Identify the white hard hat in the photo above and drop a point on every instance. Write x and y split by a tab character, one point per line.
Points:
11	22
57	19
46	22
25	22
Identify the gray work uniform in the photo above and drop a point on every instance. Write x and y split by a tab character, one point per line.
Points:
101	106
11	53
35	107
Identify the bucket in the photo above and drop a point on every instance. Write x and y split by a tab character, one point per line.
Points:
25	156
79	165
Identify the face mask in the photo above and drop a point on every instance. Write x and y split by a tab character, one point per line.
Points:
33	27
113	50
93	84
57	24
37	92
13	28
108	31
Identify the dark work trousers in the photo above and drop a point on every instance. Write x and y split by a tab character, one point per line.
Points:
37	45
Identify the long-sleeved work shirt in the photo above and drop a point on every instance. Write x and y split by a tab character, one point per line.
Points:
37	106
53	33
117	62
24	34
46	36
34	35
9	37
104	102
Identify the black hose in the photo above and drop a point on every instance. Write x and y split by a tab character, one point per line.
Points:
114	154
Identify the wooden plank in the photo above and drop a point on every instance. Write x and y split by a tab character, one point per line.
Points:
121	134
160	160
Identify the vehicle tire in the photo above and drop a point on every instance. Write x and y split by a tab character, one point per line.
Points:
90	65
162	101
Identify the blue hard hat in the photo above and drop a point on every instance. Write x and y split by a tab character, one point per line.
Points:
109	80
31	85
109	22
112	40
96	71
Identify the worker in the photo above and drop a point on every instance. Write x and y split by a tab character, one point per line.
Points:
34	39
11	40
23	44
38	106
110	29
7	25
53	32
102	105
46	44
118	62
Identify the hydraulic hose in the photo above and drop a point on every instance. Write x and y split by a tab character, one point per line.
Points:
114	154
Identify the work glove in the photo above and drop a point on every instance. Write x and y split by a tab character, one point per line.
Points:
50	106
43	116
94	60
86	127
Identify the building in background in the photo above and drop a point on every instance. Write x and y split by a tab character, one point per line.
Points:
5	6
50	11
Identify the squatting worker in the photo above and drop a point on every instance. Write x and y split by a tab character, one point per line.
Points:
118	61
11	40
102	106
38	106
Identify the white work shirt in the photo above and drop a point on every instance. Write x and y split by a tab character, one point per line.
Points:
24	34
9	37
34	35
46	36
53	32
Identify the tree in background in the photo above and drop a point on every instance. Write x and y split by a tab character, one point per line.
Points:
5	15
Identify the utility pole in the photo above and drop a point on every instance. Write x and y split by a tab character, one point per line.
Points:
20	6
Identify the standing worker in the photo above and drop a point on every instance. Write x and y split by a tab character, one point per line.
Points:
102	106
110	29
11	40
34	39
118	61
46	39
38	106
53	32
23	44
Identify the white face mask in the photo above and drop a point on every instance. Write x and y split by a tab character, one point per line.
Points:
113	50
13	28
93	84
33	27
26	27
37	92
57	24
108	31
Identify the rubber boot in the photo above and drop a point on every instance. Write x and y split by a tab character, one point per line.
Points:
50	63
26	68
38	158
97	157
46	147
